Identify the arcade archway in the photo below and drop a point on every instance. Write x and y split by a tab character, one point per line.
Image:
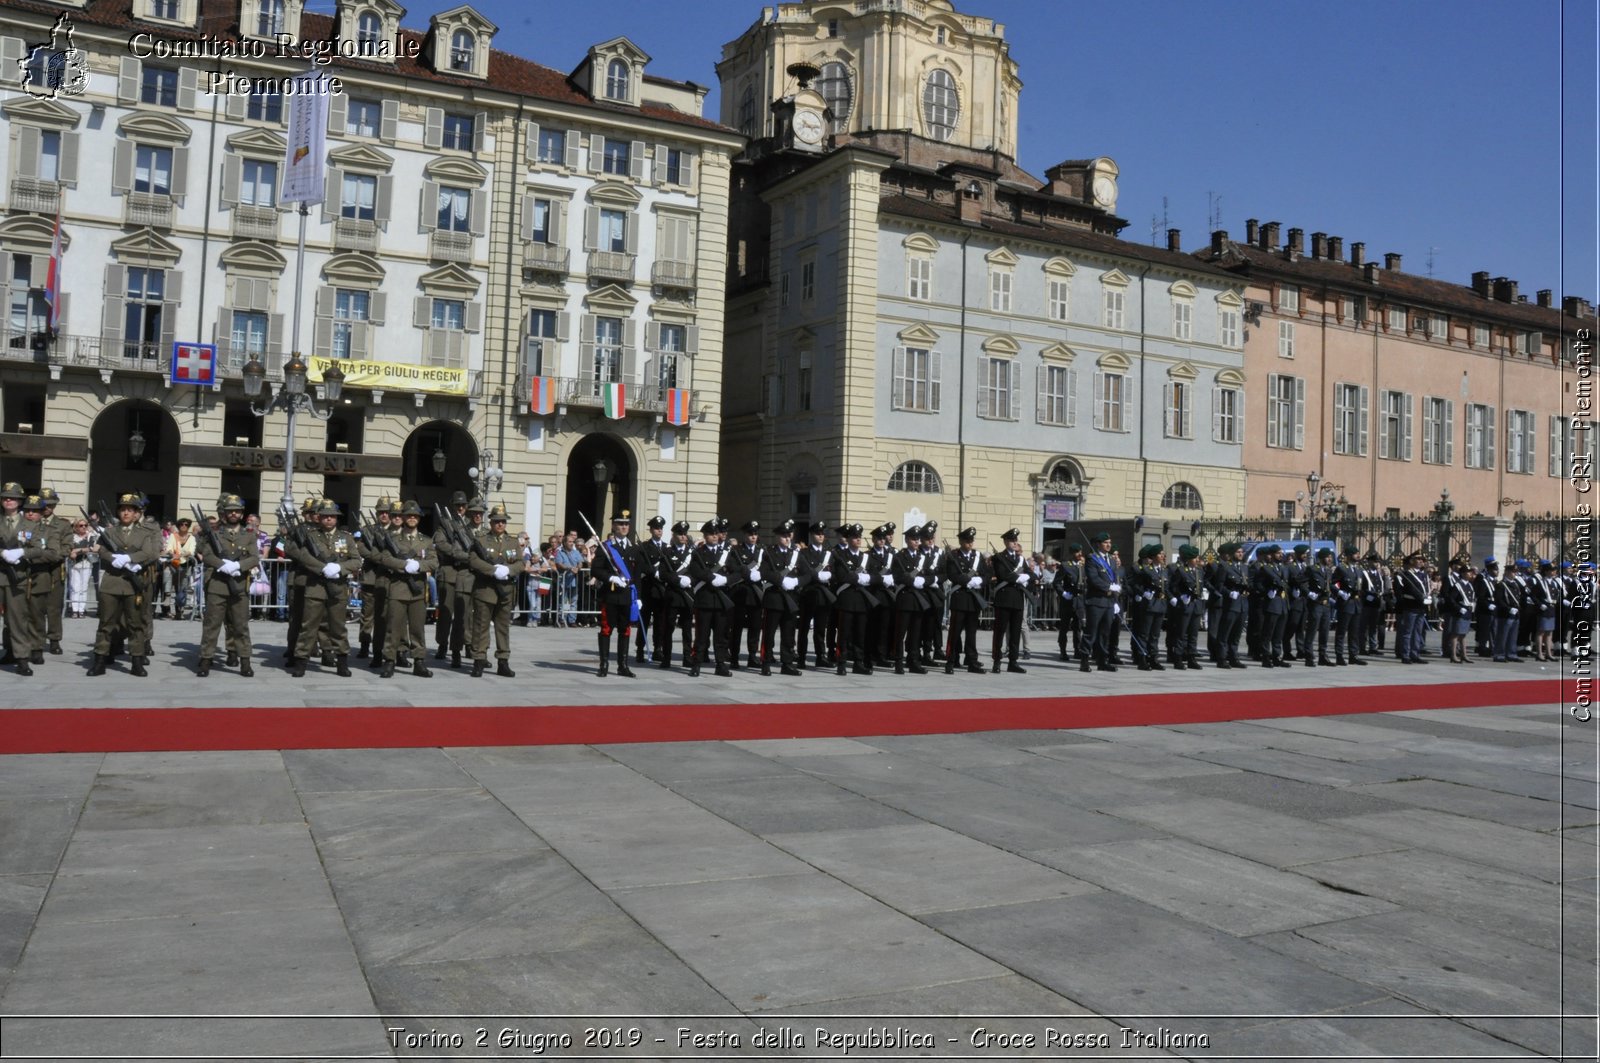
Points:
435	461
133	446
601	480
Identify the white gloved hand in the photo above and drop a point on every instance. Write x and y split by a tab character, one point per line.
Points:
1067	595
825	576
1428	600
1114	588
1233	595
974	583
618	581
229	568
685	581
1344	596
502	572
119	560
1116	610
888	579
755	575
331	570
1463	611
863	578
1273	593
1312	595
918	582
1023	579
135	568
413	567
790	583
719	580
1545	608
12	555
1491	607
1513	611
1173	601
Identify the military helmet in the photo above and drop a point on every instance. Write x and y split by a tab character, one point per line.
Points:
327	508
227	502
12	490
411	508
477	505
497	512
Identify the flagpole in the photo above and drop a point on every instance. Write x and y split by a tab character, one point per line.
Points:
294	332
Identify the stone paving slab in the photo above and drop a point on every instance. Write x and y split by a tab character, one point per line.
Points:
1383	1029
1524	852
35	832
1256	833
333	771
1016	820
1121	759
1508	809
788	803
394	822
1303	767
1288	796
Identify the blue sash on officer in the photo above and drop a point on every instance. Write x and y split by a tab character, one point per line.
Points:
633	592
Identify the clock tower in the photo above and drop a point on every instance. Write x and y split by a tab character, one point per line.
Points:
801	119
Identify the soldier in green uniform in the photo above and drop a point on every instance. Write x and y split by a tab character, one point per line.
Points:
328	562
62	528
408	591
371	595
33	552
297	582
467	581
450	623
11	497
494	593
228	574
129	552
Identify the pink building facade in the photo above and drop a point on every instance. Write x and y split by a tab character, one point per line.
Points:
1394	388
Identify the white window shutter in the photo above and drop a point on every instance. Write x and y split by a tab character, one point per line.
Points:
68	164
935	375
597	151
1489	443
572	149
1449	432
28	140
1188	414
591	228
897	371
433	128
630	234
169	318
1072	398
222	331
1405	431
479	212
360	339
652	335
1122	403
558	223
527	218
1041	412
1340	408
586	372
1528	462
691	340
237	107
422	312
686	162
1099	399
129	74
429	213
661	164
122	166
983	387
384	206
324	301
474	317
1216	415
339	114
333	192
62	320
1167	418
377	307
188	84
275	333
1555	446
637	166
322	337
1361	421
179	185
480	131
389	123
231	169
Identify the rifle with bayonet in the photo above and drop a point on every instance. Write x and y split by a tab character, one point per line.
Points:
214	541
299	536
460	536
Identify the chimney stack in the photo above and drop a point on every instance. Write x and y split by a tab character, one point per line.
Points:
1297	242
1174	242
1480	284
1336	248
1252	231
969	203
1319	246
1505	290
1219	240
1544	296
1269	235
1371	270
1358	254
1576	306
1391	262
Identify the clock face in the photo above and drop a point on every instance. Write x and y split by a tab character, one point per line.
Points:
808	127
1105	192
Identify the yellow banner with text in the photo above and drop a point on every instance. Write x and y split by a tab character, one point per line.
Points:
393	376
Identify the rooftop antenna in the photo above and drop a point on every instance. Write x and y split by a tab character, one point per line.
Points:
1431	252
1213	212
1158	225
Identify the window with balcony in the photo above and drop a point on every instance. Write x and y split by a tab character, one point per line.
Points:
248	336
613	230
28	316
49	168
351	309
618	80
143	310
258	183
363	118
152	170
358	197
462	46
159	87
552	146
608	352
460	131
540	355
454	210
673	340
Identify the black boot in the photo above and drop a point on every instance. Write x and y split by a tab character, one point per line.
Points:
327	660
605	657
366	647
98	665
24	668
233	658
439	653
139	667
36	657
55	648
387	672
298	669
245	671
504	669
342	666
420	669
203	669
622	662
478	667
455	659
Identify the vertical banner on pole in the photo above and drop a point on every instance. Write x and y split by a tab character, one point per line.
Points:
303	160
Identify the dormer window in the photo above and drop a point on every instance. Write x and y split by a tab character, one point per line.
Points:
617	78
270	18
462	45
164	9
369	33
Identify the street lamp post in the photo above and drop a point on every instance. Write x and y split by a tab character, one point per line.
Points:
486	474
293	399
1313	500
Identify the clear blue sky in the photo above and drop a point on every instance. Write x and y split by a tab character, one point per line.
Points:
1407	124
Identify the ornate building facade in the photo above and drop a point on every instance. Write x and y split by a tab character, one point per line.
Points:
500	242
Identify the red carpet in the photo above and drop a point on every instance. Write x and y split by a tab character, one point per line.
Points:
343	727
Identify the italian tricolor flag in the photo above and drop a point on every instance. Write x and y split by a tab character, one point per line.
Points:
616	402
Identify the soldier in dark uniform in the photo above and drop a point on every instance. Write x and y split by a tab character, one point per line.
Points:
612	568
708	576
783	578
817	597
1458	607
374	588
1318	587
1233	583
408	591
1298	571
328	561
1069	588
34	554
1148	598
1102	586
1413	594
1269	586
1348	588
932	648
966	572
467	580
1483	589
125	567
494	572
1214	572
295	559
852	573
61	527
676	607
1377	594
909	569
1010	583
649	582
880	618
1186	605
450	621
230	566
746	590
11	499
1508	605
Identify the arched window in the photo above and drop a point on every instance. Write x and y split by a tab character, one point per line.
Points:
1181	496
747	112
940	105
461	46
617	75
834	85
368	30
1062	476
916	476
